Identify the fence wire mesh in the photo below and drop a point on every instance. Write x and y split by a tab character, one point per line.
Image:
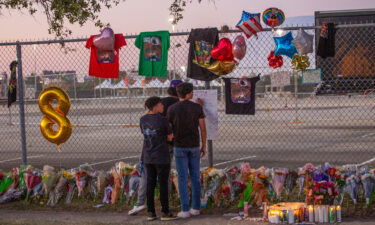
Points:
293	124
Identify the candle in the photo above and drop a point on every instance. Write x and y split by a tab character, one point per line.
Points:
338	214
316	213
290	216
321	214
332	214
311	213
246	209
325	214
265	209
274	216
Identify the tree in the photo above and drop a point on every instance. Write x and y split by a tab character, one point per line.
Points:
59	12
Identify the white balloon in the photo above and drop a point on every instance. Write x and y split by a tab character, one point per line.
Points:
304	42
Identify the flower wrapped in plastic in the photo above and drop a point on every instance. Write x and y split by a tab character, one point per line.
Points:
351	187
124	170
71	185
215	179
33	177
278	180
5	182
58	192
49	178
81	178
107	195
245	172
174	179
290	181
133	184
12	194
234	183
368	184
102	182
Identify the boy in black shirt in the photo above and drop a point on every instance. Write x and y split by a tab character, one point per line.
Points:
155	155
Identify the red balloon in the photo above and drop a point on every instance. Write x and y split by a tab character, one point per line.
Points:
239	47
223	51
275	61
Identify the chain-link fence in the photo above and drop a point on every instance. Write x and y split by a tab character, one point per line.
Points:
293	124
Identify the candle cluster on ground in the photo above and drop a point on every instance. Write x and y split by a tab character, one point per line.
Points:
296	212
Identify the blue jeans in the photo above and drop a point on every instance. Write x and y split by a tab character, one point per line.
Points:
188	160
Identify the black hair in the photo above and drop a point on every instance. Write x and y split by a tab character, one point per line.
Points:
151	102
183	89
172	91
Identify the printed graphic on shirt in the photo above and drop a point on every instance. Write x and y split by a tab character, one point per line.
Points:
240	91
105	56
152	48
202	56
149	134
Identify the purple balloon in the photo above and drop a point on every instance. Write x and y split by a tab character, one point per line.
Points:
239	47
106	40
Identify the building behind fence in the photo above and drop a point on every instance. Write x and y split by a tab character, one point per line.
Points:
293	124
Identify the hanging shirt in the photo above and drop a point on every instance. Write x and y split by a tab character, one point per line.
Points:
240	95
201	42
153	58
104	63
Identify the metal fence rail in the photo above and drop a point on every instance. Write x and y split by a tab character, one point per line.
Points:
293	125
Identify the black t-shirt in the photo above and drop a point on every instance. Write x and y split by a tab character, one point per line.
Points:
155	129
184	117
240	95
167	102
201	42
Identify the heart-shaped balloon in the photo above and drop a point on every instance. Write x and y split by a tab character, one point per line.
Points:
106	40
239	47
223	51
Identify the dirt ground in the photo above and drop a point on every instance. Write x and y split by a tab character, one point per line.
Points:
17	217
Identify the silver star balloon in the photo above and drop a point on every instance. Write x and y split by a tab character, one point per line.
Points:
303	42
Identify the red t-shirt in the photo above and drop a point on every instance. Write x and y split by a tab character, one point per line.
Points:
105	64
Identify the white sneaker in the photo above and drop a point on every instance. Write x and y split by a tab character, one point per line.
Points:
194	212
136	209
183	214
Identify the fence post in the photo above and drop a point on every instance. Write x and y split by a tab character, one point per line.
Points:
21	95
209	142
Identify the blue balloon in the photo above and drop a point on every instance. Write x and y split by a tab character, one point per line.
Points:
285	46
246	16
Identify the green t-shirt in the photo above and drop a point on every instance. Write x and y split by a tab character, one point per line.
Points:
153	58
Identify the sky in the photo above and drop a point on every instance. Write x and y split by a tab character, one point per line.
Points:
134	16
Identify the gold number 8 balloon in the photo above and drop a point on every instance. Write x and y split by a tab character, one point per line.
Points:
55	115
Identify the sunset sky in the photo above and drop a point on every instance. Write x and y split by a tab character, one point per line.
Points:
134	16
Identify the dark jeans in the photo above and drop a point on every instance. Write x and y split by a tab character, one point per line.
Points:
157	172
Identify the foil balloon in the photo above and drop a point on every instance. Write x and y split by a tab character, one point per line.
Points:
284	45
275	61
250	24
300	63
55	115
303	42
223	51
239	47
105	40
273	17
222	67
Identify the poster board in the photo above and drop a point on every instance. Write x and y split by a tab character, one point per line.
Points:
209	97
312	76
280	79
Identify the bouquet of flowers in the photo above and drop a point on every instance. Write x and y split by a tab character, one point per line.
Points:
212	180
245	172
234	184
71	185
33	178
102	182
81	178
107	195
58	192
12	192
5	182
125	171
49	178
368	184
174	180
290	181
278	180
